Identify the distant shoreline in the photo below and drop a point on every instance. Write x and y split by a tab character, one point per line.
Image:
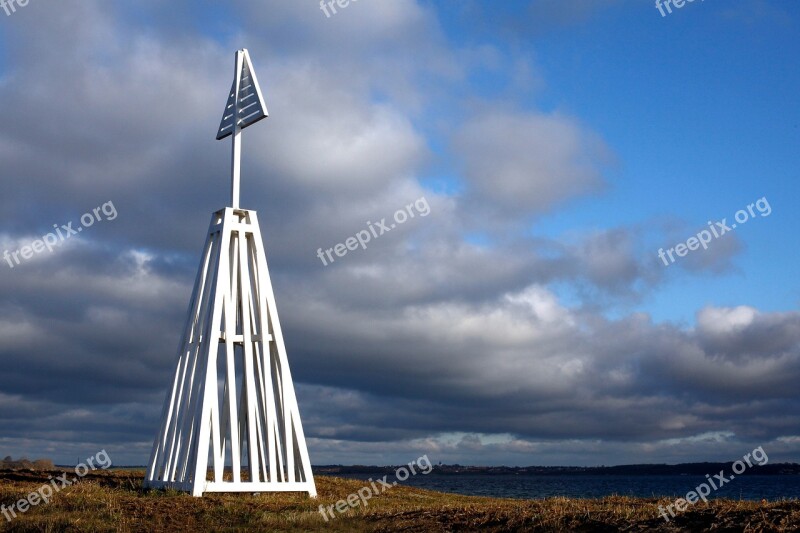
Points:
683	469
690	469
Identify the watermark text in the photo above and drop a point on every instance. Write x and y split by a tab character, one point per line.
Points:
374	231
324	5
703	490
44	493
662	4
61	234
10	6
715	230
362	496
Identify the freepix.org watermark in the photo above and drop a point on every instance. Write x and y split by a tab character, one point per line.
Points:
375	230
662	4
325	4
46	491
703	490
715	231
10	6
362	496
61	234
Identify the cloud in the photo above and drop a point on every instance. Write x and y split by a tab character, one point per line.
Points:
427	340
527	164
627	379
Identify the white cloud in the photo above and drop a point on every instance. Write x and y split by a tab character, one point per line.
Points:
528	163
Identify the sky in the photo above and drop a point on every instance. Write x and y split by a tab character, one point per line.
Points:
553	306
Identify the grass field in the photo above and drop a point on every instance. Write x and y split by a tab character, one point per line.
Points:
114	501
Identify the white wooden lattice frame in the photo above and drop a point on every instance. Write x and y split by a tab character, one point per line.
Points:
232	364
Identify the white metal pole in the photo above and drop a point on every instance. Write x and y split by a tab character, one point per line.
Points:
237	132
236	165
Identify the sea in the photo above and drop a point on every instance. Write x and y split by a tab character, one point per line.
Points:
527	486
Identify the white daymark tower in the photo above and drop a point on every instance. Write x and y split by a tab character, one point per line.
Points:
230	421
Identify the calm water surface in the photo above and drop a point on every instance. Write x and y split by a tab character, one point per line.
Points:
750	487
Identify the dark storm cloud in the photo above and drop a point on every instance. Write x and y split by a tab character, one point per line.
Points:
425	341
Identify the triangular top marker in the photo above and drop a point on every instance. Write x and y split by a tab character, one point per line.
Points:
245	107
249	107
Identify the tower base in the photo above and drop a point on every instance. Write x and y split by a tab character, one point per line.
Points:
232	402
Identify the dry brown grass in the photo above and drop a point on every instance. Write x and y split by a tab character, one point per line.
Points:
115	501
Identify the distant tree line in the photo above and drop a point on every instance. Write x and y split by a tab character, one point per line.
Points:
26	464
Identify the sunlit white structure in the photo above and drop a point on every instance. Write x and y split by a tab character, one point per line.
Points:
232	402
